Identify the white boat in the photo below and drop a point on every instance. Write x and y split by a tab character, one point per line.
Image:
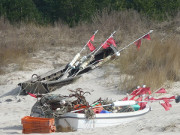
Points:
77	121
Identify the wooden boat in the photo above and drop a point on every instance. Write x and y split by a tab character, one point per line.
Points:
50	81
78	121
47	82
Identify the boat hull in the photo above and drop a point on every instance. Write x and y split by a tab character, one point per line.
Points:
78	121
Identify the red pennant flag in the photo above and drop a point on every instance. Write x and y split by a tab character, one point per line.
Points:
139	99
138	43
151	99
162	90
112	41
91	47
147	98
147	37
105	45
109	42
144	91
143	105
92	38
136	91
124	99
166	105
132	98
32	95
164	98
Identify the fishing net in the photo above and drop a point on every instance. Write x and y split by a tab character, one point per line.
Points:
55	105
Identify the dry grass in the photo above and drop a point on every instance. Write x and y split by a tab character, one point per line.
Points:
156	61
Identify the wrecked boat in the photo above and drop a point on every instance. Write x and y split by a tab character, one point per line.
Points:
78	121
59	77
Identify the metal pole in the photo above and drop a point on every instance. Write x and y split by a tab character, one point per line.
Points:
135	41
88	42
104	43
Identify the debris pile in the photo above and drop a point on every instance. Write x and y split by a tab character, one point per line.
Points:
53	106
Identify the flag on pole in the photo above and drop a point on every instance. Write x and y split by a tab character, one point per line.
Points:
91	47
124	99
92	38
105	45
162	90
166	105
147	37
164	98
138	43
132	98
135	91
109	42
141	91
32	95
112	41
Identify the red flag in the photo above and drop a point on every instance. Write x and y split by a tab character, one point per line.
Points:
166	105
136	91
124	99
112	41
92	38
147	37
32	95
144	91
138	43
109	42
142	105
164	98
151	99
132	98
105	45
91	47
139	99
147	98
162	90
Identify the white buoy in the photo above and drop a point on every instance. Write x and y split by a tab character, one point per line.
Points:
117	54
124	103
74	59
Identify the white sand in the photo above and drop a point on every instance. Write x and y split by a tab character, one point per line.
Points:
156	122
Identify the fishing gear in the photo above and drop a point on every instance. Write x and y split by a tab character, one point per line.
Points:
73	63
78	54
88	60
135	41
117	53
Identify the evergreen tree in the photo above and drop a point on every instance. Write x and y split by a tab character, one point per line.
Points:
20	10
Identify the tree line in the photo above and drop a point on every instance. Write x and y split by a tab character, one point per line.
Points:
74	11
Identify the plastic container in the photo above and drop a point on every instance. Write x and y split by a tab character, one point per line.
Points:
136	107
37	125
79	107
105	111
98	109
